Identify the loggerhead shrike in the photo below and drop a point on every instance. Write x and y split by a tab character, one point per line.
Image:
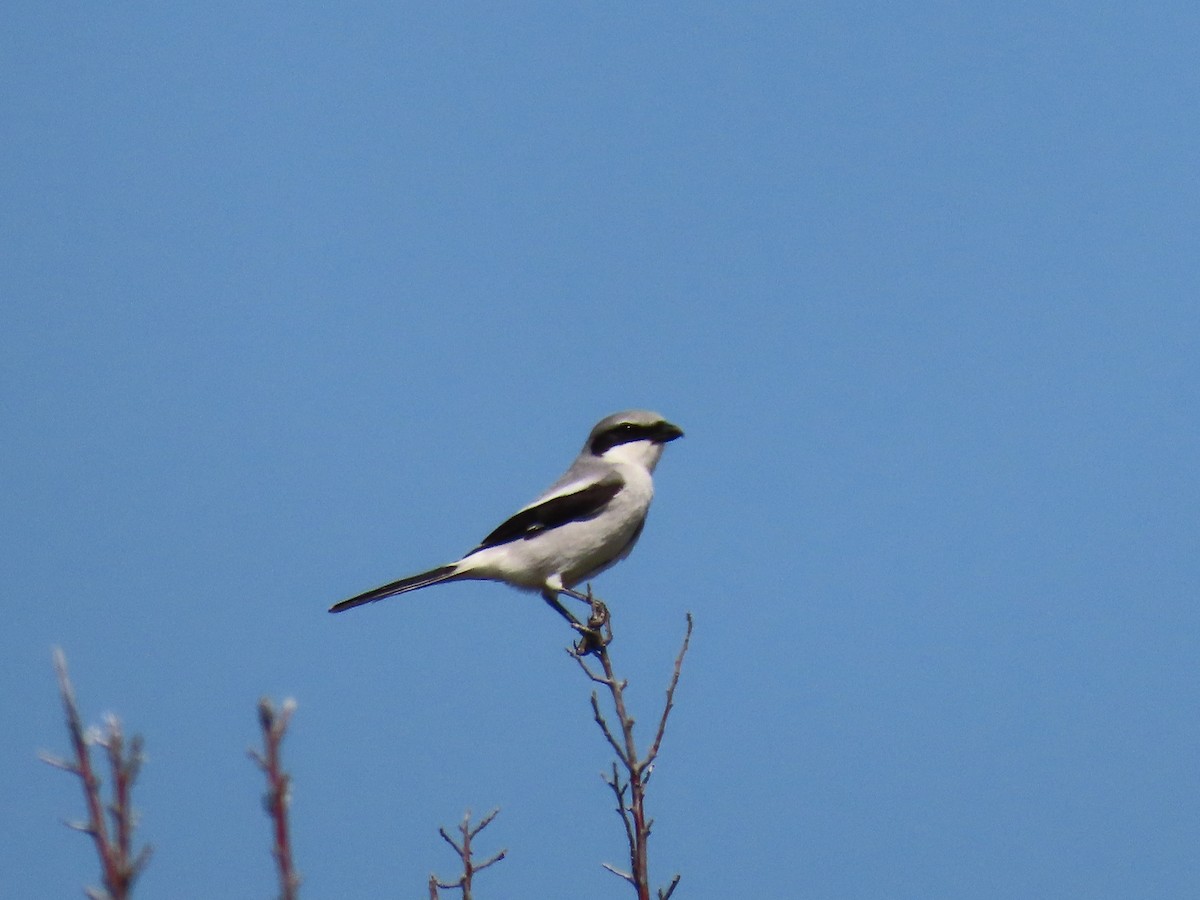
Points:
585	522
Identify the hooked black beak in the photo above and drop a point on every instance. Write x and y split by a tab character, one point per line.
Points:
667	432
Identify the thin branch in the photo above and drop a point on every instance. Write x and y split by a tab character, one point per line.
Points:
665	895
662	723
603	723
278	797
119	865
492	860
484	822
617	872
619	789
466	856
630	793
579	657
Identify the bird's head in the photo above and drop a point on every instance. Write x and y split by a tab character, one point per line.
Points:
634	436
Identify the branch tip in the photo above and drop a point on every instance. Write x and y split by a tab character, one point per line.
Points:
630	792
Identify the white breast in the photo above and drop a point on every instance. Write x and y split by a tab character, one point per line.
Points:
572	553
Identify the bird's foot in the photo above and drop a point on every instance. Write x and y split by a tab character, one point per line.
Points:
597	634
581	597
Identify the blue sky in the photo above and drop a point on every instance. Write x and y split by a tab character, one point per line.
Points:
300	299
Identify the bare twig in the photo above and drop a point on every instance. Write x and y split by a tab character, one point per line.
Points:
670	704
466	856
278	797
619	789
670	889
617	872
608	735
119	865
630	790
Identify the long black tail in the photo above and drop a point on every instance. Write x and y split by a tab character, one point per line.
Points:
411	583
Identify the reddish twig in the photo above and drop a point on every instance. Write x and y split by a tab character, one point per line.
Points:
119	865
630	790
466	855
279	790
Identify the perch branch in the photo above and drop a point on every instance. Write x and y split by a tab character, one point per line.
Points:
630	791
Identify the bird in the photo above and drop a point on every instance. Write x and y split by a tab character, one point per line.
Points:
585	522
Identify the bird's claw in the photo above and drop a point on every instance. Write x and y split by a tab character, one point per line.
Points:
595	635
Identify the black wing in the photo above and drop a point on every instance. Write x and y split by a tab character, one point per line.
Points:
573	507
